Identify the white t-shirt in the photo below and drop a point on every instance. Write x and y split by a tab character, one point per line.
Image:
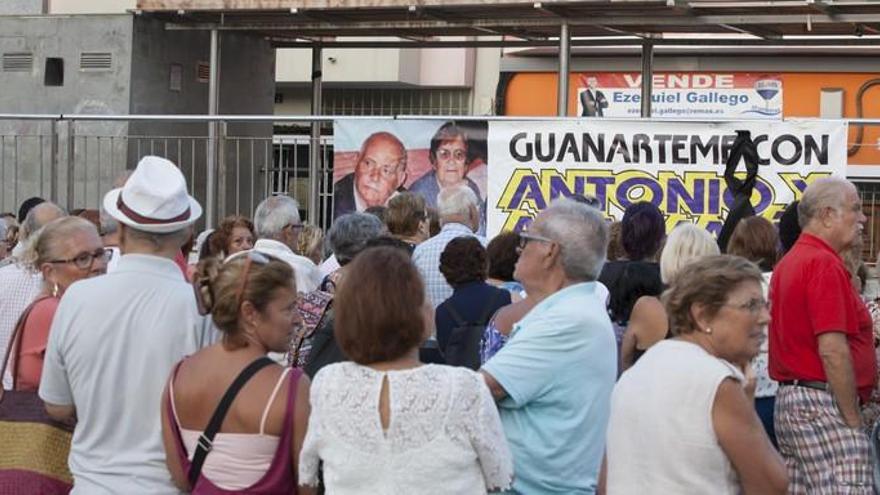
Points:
660	437
112	345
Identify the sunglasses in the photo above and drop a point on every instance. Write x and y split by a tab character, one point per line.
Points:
85	261
252	257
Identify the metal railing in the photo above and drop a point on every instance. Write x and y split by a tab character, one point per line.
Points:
75	159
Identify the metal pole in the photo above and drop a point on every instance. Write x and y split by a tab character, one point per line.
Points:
211	152
647	77
564	57
315	145
53	170
71	163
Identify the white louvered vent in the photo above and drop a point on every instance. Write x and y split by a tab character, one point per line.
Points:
18	62
203	72
95	61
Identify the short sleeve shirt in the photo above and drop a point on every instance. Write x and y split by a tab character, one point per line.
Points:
558	369
112	345
811	293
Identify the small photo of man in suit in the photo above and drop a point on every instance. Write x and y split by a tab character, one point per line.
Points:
593	101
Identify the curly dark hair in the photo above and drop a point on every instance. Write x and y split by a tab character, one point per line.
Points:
503	256
463	261
219	240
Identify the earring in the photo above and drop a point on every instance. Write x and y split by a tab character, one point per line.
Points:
708	330
55	290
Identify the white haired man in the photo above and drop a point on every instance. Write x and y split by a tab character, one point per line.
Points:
277	224
21	284
459	211
822	348
115	339
553	378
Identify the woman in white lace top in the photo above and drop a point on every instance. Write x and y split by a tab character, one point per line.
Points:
385	423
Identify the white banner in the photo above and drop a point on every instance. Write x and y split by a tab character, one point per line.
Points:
677	166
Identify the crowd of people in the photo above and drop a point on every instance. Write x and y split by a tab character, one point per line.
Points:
402	352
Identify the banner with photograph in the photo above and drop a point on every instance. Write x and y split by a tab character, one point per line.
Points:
374	160
682	95
677	166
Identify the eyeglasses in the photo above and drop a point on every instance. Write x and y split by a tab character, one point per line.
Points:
753	306
457	155
294	226
252	257
85	261
525	238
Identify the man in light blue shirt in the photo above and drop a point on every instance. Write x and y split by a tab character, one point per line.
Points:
553	378
459	211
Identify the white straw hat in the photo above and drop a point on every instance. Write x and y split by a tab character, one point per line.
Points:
154	198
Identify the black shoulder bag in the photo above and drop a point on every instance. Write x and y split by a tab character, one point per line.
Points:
206	439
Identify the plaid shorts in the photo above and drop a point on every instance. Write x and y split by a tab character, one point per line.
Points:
822	454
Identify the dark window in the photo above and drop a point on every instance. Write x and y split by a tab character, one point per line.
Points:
54	75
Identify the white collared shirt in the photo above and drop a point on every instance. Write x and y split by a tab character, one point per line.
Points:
112	345
307	275
19	286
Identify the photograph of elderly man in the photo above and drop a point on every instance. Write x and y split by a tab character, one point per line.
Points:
450	156
378	175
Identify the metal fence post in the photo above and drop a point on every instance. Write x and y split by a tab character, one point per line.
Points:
54	161
71	164
221	170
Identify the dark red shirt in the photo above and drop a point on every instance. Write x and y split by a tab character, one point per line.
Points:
811	293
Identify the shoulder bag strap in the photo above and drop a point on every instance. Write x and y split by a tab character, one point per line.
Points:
14	346
206	439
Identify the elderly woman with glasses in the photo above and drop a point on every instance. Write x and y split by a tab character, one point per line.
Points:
64	251
682	419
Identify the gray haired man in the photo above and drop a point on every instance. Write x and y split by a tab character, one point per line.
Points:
553	378
277	224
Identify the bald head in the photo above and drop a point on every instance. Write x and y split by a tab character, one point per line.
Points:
39	216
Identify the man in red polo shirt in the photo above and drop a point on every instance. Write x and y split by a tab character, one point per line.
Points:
821	348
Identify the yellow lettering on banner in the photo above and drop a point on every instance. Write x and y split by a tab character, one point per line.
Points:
696	197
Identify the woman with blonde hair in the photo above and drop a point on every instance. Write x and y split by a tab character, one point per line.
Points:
648	322
251	441
64	251
310	243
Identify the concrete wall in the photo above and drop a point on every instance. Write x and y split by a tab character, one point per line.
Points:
435	67
23	7
246	87
26	151
90	6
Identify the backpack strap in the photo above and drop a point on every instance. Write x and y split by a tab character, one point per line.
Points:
489	310
456	316
206	439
